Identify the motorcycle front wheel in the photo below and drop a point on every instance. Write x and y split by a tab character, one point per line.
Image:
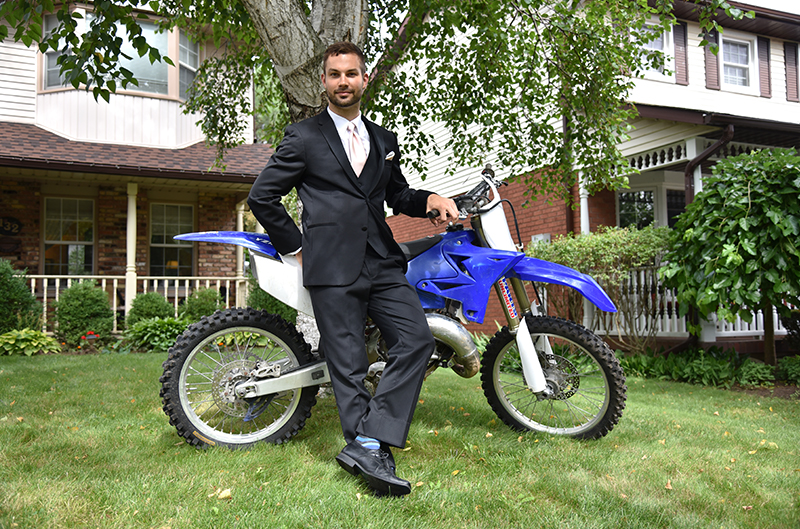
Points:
586	384
216	354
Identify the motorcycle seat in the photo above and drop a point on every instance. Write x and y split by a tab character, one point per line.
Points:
411	249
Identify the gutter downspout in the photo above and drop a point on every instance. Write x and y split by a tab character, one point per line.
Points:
688	178
688	173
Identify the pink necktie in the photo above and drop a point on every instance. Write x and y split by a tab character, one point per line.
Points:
358	156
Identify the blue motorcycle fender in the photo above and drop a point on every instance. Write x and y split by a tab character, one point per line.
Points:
258	242
532	269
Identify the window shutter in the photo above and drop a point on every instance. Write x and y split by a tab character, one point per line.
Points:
764	76
790	52
681	58
712	66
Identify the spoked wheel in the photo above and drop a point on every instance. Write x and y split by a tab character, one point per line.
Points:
218	353
586	386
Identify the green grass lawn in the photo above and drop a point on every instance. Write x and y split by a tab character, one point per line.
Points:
84	443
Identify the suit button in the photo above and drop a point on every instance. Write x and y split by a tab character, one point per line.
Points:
363	228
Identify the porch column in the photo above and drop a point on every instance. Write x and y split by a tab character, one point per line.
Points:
588	308
130	266
584	201
692	151
241	284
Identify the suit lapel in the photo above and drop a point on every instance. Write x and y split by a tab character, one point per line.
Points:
378	149
328	130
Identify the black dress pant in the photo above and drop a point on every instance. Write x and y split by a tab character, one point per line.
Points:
382	292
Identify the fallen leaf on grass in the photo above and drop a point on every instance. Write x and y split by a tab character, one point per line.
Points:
489	434
456	472
662	441
668	485
419	483
747	507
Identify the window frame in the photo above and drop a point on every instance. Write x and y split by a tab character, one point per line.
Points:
184	66
751	41
668	38
61	242
174	244
173	71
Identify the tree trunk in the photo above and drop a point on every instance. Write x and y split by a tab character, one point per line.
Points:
769	334
296	43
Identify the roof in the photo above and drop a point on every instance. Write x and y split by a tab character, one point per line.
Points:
28	146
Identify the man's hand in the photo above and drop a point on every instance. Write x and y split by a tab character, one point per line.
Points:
446	207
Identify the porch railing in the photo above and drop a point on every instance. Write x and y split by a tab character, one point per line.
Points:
47	289
651	308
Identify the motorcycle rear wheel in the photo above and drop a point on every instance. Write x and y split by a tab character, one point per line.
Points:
587	382
220	351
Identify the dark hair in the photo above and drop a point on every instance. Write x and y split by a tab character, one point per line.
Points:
344	48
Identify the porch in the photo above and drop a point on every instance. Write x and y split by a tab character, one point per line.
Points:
47	289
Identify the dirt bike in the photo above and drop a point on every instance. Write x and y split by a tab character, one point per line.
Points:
242	375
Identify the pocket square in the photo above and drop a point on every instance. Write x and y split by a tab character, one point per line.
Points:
390	156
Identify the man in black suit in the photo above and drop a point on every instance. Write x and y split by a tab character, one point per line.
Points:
345	168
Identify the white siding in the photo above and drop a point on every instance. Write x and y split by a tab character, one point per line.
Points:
696	96
132	120
17	82
649	134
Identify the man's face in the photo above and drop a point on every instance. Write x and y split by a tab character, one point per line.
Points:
344	81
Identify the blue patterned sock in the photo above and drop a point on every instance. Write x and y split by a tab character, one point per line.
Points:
368	442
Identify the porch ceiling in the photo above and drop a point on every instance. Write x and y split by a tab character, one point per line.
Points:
35	152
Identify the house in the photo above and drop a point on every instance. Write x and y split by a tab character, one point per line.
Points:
97	190
743	98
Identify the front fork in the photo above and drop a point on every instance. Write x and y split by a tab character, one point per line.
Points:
531	367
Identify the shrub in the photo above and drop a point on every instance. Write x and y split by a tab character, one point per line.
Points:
28	342
792	325
789	369
148	305
610	256
259	299
18	307
83	307
711	367
202	302
156	334
756	374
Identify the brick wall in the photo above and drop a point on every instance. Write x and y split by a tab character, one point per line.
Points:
216	212
21	200
112	226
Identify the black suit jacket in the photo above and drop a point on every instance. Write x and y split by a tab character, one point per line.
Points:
340	210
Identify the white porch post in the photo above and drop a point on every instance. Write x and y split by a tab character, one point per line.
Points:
130	266
693	149
588	308
241	285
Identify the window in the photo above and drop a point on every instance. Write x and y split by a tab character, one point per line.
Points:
676	204
636	208
169	257
68	236
738	65
52	71
189	62
153	78
662	43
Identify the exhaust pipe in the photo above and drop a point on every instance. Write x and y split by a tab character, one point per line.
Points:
466	359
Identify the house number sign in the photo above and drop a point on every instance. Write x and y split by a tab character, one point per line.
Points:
10	226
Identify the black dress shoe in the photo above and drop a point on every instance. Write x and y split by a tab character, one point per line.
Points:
374	466
390	457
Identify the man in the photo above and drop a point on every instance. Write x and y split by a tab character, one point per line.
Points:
344	168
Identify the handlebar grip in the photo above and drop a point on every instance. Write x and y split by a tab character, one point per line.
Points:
432	214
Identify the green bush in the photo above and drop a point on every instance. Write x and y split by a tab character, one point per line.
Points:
18	308
83	307
756	374
28	342
610	255
711	367
789	369
156	335
202	302
259	299
148	305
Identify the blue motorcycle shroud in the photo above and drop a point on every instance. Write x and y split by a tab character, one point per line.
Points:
457	269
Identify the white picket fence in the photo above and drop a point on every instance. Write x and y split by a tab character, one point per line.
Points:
655	308
47	289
